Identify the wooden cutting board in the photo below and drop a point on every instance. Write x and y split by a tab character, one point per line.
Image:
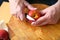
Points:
5	12
21	30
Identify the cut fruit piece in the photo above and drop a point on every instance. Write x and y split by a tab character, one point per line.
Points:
30	19
4	35
3	25
34	14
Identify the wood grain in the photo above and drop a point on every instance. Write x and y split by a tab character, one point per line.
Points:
5	12
24	31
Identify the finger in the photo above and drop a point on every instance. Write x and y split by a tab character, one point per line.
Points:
17	15
44	23
22	16
39	21
14	15
43	12
30	7
41	24
20	13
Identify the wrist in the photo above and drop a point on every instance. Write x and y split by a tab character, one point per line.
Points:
57	5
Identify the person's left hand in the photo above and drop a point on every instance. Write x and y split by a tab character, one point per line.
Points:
51	16
17	8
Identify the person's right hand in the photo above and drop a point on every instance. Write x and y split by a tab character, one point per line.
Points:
17	8
51	15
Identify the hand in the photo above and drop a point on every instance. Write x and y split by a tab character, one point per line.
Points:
51	16
17	8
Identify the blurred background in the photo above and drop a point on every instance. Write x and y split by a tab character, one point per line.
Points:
1	1
48	2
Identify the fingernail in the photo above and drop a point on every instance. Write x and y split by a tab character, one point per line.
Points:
21	19
35	8
33	23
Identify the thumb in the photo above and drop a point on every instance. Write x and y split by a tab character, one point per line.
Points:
39	21
30	7
43	11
